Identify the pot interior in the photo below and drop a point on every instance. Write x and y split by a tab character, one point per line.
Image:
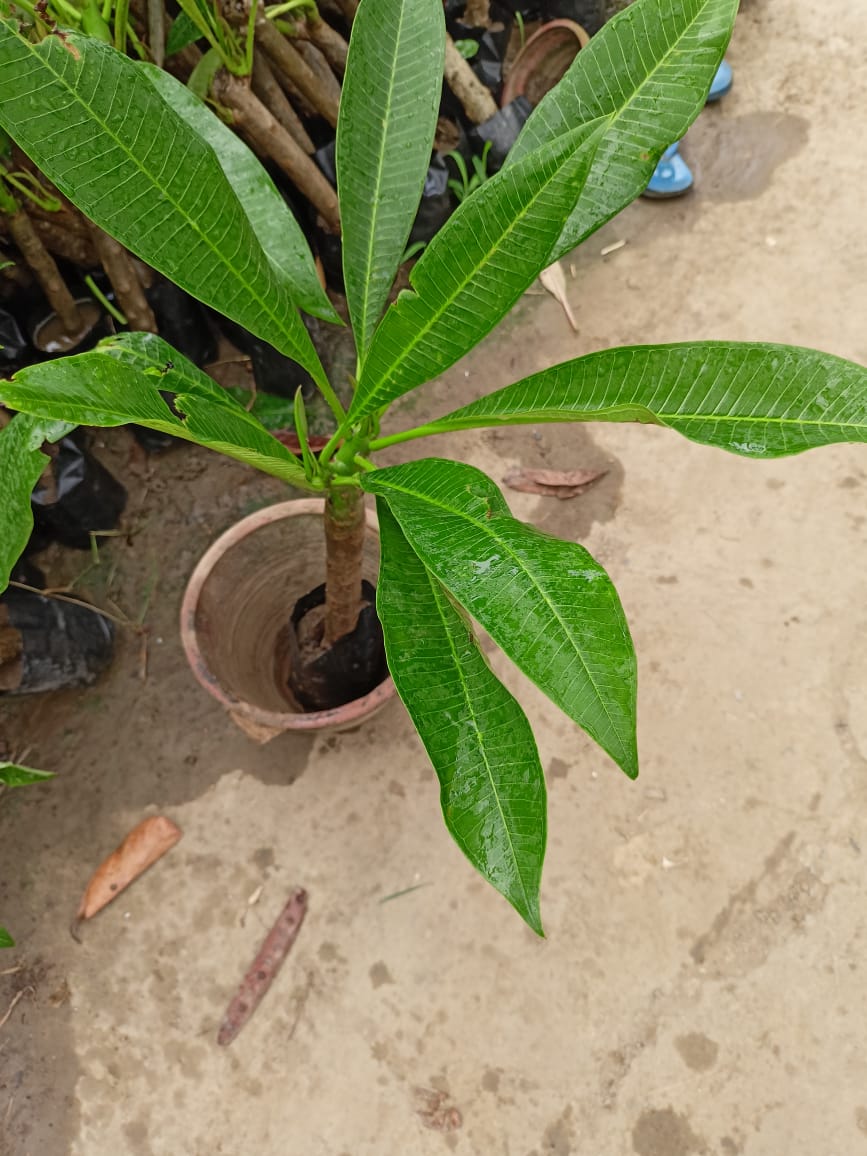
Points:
246	601
554	57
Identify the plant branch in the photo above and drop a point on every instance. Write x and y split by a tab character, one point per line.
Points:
327	83
42	265
157	31
287	60
121	273
344	554
273	140
329	42
272	96
477	101
419	431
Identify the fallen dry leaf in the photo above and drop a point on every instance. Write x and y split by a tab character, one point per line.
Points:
289	439
554	281
143	846
560	484
436	1111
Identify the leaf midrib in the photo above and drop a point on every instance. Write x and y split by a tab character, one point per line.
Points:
45	63
566	415
437	597
616	114
370	401
487	528
380	165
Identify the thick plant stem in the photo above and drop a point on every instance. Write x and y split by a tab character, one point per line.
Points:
61	241
330	43
44	270
271	95
274	141
157	31
124	280
327	82
477	101
287	60
344	554
297	97
348	8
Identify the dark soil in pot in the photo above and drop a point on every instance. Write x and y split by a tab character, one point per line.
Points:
322	678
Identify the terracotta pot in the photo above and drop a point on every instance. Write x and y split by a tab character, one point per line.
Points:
544	60
237	604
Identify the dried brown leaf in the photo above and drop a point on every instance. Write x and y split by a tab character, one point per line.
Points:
552	483
142	847
554	281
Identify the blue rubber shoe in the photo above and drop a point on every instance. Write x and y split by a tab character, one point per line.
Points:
722	82
672	176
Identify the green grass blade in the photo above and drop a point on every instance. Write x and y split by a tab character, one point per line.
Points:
492	788
13	775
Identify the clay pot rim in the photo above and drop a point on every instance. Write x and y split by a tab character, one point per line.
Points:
39	326
511	87
275	721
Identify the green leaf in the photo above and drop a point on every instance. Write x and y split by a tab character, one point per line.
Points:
385	133
279	233
6	939
182	32
97	127
467	48
274	412
492	788
759	400
21	466
475	269
648	70
546	602
13	775
123	380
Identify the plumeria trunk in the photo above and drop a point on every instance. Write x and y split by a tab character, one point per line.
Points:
344	545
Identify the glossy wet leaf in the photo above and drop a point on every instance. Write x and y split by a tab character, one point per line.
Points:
385	132
648	72
492	788
759	400
98	128
122	381
21	465
546	602
279	234
475	269
13	775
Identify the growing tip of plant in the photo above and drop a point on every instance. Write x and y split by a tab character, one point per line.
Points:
307	458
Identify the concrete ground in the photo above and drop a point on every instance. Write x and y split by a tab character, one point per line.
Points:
702	987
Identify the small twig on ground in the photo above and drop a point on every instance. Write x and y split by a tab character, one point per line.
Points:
51	593
405	891
18	996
